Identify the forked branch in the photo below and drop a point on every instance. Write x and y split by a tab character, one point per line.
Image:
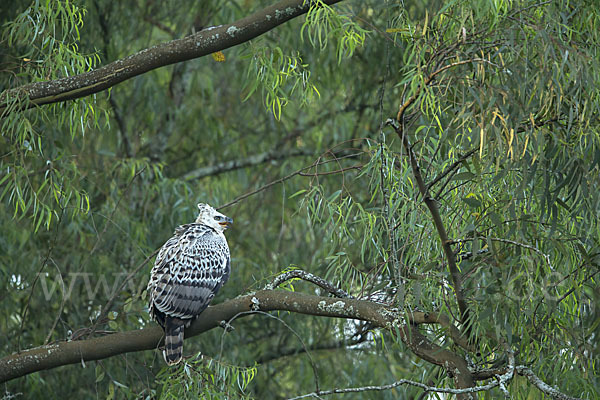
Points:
81	351
431	204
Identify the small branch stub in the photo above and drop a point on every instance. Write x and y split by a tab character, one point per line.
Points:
255	306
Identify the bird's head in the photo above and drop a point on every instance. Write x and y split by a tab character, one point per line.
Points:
211	217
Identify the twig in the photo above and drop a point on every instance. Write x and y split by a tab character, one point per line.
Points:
110	301
451	168
504	378
337	171
526	246
521	10
160	26
260	189
400	382
242	163
285	352
62	305
112	214
430	78
44	263
285	178
99	239
501	382
307	276
541	385
311	360
390	220
568	292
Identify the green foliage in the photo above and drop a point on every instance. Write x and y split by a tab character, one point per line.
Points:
504	126
201	378
323	23
279	78
45	37
38	180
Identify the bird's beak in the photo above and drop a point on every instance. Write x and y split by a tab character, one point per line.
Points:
227	223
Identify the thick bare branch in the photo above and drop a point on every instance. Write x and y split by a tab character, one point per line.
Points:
205	42
80	351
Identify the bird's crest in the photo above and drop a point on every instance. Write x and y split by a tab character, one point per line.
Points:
210	217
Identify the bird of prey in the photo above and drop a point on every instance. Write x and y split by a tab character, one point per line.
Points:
189	270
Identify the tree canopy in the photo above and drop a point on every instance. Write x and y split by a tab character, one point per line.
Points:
415	188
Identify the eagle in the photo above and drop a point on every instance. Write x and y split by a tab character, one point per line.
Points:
188	272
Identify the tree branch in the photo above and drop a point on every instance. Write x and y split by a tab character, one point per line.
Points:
501	382
541	385
431	204
451	168
290	176
205	42
307	276
293	351
255	159
400	382
465	391
80	351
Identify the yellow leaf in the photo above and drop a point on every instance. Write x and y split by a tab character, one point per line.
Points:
525	146
218	56
481	141
510	146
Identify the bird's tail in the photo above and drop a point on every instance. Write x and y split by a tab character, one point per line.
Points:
173	351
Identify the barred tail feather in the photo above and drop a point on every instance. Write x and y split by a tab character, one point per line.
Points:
173	352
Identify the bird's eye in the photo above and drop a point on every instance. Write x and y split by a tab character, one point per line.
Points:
217	218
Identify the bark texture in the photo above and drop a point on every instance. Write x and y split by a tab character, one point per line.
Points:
80	351
205	42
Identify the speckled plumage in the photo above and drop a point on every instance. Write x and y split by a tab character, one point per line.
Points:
189	270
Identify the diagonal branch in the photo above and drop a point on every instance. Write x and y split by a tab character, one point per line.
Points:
307	276
402	109
451	168
431	204
541	385
299	172
205	42
252	160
